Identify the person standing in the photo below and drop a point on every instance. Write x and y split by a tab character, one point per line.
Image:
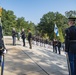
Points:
2	46
18	36
70	45
55	45
14	33
59	46
30	38
23	36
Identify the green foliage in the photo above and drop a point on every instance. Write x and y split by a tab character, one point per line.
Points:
47	22
9	21
70	13
44	29
61	38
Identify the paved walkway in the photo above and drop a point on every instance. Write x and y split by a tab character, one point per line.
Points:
21	60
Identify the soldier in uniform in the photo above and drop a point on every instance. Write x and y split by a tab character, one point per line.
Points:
14	33
2	46
70	46
30	38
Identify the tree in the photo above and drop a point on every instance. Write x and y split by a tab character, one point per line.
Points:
20	24
8	21
70	13
47	23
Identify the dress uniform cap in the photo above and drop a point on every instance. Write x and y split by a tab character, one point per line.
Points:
72	18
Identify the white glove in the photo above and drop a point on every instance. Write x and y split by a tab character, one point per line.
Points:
4	51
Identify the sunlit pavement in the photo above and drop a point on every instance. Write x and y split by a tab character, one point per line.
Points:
21	60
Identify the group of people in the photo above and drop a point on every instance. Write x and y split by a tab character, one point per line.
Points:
39	41
70	44
23	36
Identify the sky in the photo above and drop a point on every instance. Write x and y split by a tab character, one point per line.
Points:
33	10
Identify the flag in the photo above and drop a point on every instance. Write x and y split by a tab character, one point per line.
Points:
56	30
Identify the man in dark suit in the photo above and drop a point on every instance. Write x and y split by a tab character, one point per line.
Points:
70	45
59	46
30	38
23	36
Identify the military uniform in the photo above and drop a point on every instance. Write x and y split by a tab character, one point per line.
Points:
70	47
2	46
14	37
30	39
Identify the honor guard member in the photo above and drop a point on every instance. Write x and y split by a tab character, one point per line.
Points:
2	46
30	38
70	45
14	33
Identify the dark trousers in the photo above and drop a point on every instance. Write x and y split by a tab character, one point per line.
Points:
14	40
23	41
59	50
55	49
30	43
0	57
71	60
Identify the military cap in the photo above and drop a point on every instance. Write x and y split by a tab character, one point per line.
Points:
72	18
